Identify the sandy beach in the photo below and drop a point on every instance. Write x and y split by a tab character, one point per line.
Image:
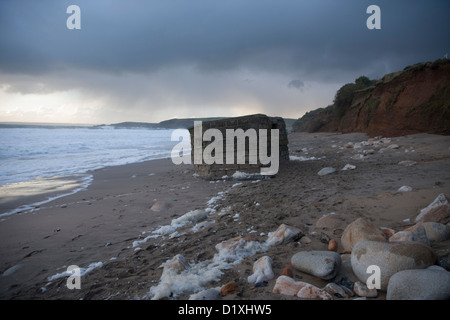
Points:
115	227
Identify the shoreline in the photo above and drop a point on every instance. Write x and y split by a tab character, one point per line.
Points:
97	223
41	191
110	225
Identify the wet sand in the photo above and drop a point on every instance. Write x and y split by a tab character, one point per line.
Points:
111	220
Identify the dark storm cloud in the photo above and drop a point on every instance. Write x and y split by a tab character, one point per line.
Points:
157	59
314	37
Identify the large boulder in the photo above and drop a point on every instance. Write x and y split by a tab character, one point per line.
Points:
422	284
358	230
390	258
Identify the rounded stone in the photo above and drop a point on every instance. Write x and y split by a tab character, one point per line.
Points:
322	264
390	257
423	284
360	229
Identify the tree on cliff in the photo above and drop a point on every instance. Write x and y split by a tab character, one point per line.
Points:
344	96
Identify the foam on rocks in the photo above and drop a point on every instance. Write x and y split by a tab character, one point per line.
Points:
322	264
262	270
284	234
390	257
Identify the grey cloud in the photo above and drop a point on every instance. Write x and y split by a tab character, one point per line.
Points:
156	54
280	36
296	84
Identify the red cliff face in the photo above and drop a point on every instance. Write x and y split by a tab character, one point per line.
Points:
414	100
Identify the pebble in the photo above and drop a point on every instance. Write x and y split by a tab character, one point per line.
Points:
283	235
287	272
348	167
393	146
337	291
326	170
333	245
229	288
390	257
262	270
322	264
360	229
312	292
404	189
363	291
423	284
159	206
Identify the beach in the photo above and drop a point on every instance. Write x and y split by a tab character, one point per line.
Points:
133	218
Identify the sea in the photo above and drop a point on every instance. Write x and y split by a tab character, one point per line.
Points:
46	159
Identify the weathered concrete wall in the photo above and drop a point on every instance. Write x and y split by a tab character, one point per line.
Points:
258	121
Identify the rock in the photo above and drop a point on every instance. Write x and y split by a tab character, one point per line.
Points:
284	234
362	290
326	170
404	189
390	257
423	284
388	232
305	240
175	265
393	146
312	292
262	270
348	167
331	221
360	229
288	286
229	288
336	290
287	272
333	245
161	206
415	233
233	244
437	211
322	264
436	232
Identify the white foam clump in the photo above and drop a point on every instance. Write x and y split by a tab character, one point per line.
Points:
178	276
193	216
262	270
202	225
193	277
83	271
301	158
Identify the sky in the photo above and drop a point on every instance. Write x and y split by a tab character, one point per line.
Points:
153	60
